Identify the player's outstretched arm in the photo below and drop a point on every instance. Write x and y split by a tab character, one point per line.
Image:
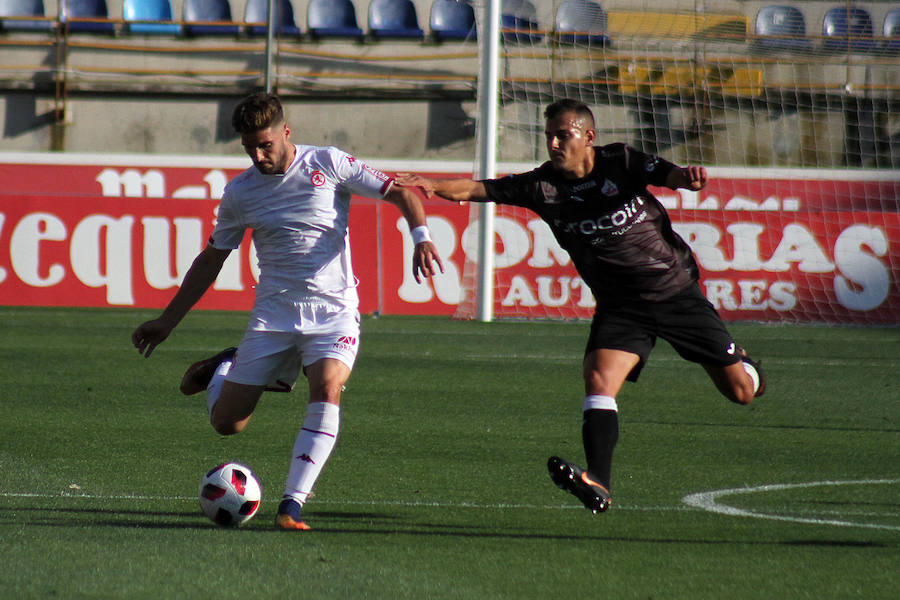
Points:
692	178
426	261
454	190
200	276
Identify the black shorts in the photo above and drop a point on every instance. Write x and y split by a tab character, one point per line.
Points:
686	320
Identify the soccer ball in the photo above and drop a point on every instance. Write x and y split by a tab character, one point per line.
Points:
230	494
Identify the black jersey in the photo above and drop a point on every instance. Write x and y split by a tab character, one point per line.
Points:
618	234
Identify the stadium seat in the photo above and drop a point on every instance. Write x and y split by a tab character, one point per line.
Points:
518	21
257	11
332	18
581	22
149	10
848	29
453	20
394	19
23	8
199	16
780	28
85	9
892	30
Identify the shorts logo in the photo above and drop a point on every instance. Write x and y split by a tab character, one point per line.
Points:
317	178
345	343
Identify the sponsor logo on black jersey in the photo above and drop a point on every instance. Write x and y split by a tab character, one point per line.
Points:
614	223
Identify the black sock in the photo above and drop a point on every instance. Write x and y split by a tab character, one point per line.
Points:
599	433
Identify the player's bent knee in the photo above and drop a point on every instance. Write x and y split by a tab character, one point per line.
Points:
225	428
225	425
742	395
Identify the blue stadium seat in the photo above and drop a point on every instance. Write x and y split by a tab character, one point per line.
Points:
394	19
149	10
23	8
518	21
332	18
780	28
199	15
257	11
892	30
85	9
848	29
581	22
453	20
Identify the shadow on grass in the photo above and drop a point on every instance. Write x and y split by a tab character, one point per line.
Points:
84	517
451	532
768	426
336	523
474	531
109	511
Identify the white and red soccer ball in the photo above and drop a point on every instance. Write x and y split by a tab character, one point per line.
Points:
230	494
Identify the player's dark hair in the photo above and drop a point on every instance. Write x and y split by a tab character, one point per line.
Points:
257	112
565	105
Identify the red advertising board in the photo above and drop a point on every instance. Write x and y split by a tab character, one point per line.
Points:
773	245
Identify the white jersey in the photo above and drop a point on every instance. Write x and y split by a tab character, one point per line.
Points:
299	223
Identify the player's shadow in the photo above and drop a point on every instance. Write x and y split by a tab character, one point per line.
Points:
131	519
803	427
108	511
398	525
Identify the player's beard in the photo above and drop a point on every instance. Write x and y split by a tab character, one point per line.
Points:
266	168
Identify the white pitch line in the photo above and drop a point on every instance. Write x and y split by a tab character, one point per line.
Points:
708	501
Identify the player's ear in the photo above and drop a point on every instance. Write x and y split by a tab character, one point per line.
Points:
589	136
287	132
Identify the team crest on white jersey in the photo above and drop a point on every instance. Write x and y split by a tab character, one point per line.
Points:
609	188
317	178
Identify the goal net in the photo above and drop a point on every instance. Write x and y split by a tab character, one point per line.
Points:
793	109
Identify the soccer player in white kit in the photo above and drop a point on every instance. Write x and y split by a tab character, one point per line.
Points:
296	200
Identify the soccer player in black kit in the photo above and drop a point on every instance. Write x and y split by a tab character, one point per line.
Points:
642	274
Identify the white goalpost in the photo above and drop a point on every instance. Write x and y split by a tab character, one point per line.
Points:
798	123
488	99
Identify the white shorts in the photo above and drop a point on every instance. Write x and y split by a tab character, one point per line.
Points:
274	358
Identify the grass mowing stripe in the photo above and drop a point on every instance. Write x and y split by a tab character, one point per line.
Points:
374	503
484	357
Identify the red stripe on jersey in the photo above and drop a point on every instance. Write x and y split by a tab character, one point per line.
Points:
387	185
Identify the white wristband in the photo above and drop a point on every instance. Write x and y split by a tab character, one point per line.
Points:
420	234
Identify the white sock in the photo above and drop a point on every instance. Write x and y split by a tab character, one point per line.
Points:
214	389
312	448
598	402
751	371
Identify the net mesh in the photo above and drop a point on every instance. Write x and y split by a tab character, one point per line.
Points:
792	108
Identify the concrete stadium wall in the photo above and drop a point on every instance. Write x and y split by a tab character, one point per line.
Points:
201	125
393	127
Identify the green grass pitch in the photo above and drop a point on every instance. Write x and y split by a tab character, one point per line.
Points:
438	485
